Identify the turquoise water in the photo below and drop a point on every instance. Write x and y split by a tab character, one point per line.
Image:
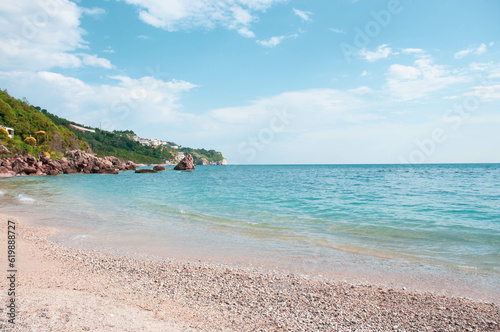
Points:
441	215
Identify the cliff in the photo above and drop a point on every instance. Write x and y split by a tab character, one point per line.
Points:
37	132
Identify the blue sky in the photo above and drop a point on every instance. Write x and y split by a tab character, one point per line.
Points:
268	81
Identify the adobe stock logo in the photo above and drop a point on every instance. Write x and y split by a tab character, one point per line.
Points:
31	25
451	121
373	28
265	136
130	100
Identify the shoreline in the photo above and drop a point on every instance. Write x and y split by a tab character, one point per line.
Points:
201	245
69	289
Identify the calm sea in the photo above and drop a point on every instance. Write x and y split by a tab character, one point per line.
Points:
378	218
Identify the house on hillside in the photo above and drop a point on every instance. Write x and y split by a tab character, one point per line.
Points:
9	130
82	129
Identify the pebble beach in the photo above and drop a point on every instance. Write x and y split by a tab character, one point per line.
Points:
61	289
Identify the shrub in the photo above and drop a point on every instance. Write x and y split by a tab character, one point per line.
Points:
4	134
30	140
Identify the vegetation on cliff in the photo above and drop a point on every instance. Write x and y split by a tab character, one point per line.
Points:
34	133
37	131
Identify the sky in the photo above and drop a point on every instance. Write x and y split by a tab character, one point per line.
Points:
268	81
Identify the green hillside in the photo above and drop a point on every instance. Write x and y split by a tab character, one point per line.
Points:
34	132
52	134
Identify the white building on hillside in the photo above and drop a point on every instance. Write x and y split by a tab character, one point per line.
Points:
82	129
9	130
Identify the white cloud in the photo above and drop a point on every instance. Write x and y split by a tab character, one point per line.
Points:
304	15
364	73
93	11
122	103
487	93
318	106
276	40
271	42
481	49
95	61
362	90
382	52
491	70
241	16
417	81
336	30
415	51
174	15
477	51
43	35
245	32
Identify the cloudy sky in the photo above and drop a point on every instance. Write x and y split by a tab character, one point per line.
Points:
268	81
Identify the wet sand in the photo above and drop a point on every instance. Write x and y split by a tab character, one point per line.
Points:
61	289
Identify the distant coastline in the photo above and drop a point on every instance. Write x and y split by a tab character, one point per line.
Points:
32	130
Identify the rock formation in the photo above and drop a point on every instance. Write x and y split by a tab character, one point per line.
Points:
146	170
159	168
76	161
185	164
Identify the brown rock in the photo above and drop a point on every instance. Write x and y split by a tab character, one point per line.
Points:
45	159
31	160
159	168
53	172
109	171
54	164
185	164
18	165
70	171
30	170
6	175
113	160
146	170
4	150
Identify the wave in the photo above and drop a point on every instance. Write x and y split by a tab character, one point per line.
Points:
25	199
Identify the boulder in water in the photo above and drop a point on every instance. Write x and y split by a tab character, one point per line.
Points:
185	164
146	170
159	168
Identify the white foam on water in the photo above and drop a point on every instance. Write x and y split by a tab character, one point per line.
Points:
25	199
80	237
2	192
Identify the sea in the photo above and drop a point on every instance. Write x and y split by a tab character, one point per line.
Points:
419	227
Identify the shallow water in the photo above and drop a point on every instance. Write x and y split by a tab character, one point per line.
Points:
349	220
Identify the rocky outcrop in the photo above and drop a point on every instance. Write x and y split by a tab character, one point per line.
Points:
205	162
75	162
3	149
185	164
159	168
146	170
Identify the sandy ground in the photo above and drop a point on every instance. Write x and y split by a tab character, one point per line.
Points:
59	289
